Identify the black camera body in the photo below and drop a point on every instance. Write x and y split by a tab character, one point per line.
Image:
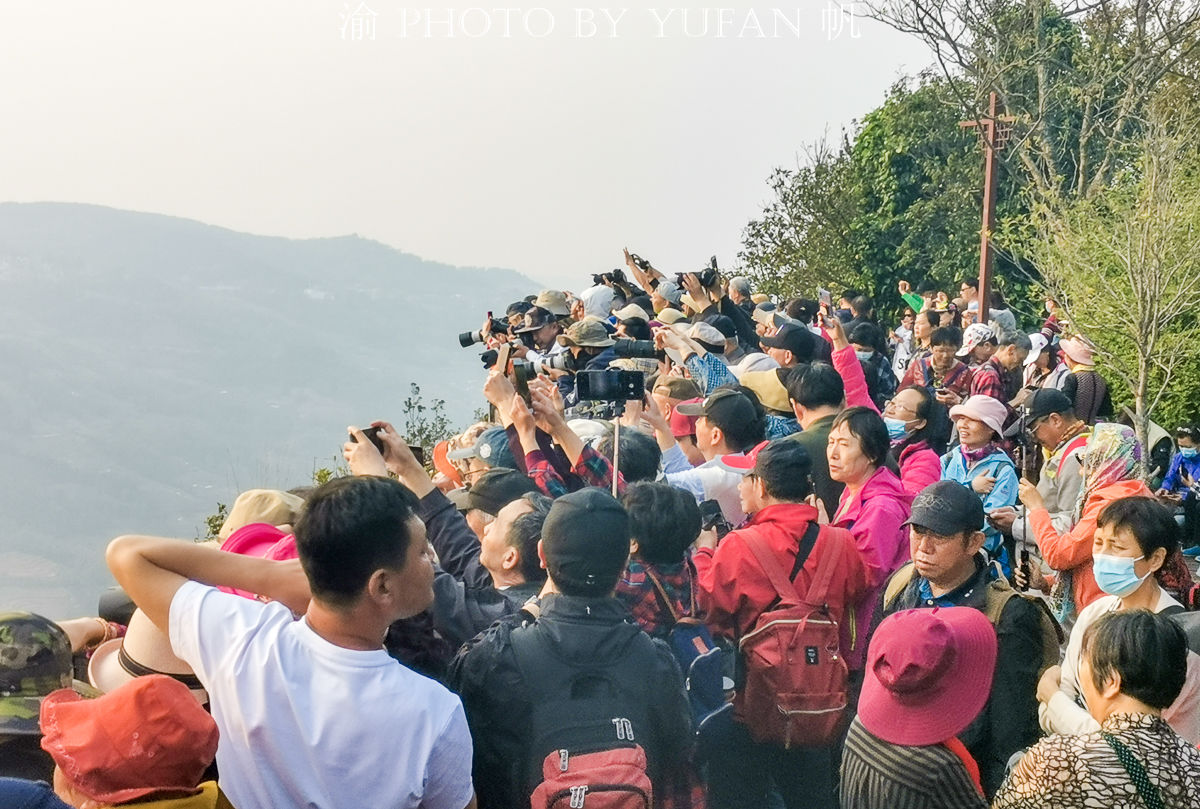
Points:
641	263
616	276
610	385
707	276
495	326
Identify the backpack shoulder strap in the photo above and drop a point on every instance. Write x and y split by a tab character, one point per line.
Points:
898	582
832	552
661	593
785	589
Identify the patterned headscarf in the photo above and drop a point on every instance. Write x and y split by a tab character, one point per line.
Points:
1113	454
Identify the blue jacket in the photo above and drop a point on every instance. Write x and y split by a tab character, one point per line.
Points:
1004	493
1173	482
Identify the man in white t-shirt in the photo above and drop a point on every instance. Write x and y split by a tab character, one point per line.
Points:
313	712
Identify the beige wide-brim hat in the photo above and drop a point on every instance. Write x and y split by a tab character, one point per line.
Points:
261	505
144	650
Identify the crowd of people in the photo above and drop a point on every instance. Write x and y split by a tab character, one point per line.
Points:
711	548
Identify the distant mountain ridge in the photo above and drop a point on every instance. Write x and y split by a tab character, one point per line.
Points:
154	366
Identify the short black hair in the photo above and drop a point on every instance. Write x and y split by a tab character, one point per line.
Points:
1189	431
937	423
867	334
933	318
862	305
525	533
851	294
785	468
867	426
816	385
802	309
972	282
349	528
637	329
1147	651
1151	523
640	454
946	336
663	519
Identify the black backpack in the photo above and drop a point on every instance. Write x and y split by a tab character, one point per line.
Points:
587	728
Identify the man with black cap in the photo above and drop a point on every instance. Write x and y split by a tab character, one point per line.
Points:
528	688
948	570
728	423
734	590
539	330
792	345
1050	418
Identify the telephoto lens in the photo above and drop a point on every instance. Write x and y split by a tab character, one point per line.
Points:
561	362
642	349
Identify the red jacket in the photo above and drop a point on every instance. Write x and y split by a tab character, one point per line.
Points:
733	590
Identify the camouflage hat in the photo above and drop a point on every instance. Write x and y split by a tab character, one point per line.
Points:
35	659
588	332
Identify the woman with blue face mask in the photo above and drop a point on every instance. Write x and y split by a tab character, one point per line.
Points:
917	425
1134	538
1181	483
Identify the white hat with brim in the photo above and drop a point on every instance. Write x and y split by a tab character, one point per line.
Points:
144	650
1038	343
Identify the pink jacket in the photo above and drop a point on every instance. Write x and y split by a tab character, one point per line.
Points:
875	516
919	465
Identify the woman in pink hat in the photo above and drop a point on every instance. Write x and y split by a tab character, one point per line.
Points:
979	463
1084	386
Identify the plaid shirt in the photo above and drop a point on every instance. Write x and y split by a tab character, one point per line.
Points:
639	595
593	468
991	380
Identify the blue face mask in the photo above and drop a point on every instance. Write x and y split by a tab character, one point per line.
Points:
1189	452
864	355
1115	574
897	429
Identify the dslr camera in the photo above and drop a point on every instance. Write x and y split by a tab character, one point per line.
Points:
495	326
707	275
609	278
561	362
610	385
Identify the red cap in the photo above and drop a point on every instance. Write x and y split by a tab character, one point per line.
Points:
682	425
150	735
743	462
442	463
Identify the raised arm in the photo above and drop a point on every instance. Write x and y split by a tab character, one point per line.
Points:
152	569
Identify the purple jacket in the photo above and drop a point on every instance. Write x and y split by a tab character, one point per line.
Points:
875	516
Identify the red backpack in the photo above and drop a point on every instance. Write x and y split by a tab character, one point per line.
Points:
795	687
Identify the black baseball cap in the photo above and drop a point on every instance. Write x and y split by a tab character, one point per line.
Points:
1045	402
794	338
585	540
947	508
496	488
725	408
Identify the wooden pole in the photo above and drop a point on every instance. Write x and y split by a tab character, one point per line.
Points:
989	210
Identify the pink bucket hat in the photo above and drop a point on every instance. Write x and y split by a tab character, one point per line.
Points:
262	540
929	673
991	412
1078	350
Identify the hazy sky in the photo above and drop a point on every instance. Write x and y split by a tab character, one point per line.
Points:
524	136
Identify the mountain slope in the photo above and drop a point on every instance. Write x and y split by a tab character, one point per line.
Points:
154	366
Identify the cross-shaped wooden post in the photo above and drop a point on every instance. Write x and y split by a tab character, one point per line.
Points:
994	131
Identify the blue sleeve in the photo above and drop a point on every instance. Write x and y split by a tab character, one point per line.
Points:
1004	493
709	372
1171	481
675	460
690	481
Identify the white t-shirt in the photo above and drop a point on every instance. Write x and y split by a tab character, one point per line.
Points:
1063	713
305	723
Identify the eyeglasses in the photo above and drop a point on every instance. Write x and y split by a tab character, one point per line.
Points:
890	406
